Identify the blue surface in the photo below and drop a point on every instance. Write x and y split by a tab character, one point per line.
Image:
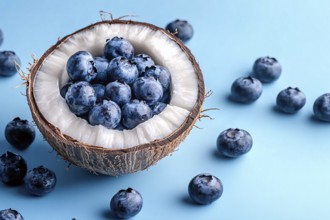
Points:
284	176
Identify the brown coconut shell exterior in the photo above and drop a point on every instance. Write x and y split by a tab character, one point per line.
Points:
109	161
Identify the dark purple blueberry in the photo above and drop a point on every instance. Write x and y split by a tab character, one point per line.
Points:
122	69
148	89
65	88
118	46
182	29
80	67
119	92
158	108
267	69
205	188
234	142
13	168
101	64
161	73
99	91
290	100
106	113
10	214
126	203
142	61
40	181
166	97
8	63
246	89
134	113
321	107
20	133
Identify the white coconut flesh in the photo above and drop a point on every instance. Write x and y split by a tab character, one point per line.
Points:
52	75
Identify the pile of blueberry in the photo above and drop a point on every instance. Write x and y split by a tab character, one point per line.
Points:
119	90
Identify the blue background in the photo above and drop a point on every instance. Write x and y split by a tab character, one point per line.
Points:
284	176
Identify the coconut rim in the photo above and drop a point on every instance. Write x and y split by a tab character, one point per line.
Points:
188	122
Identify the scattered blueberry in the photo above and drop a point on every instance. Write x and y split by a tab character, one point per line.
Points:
106	113
99	91
65	88
118	46
40	181
158	108
182	29
119	92
80	67
267	69
8	62
148	89
80	97
205	189
122	69
246	89
290	100
161	73
321	107
10	214
234	142
101	65
126	203
134	113
20	133
13	168
1	37
142	61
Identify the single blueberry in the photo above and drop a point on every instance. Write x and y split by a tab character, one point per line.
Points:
234	142
205	189
126	203
8	63
10	214
246	89
119	92
142	61
290	100
161	73
166	97
134	113
158	108
321	107
13	168
107	113
182	29
267	69
1	37
148	89
118	46
20	133
122	69
40	181
101	64
80	97
99	91
65	88
80	67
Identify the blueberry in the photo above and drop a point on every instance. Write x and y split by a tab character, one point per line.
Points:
65	88
166	97
8	62
234	142
80	97
118	46
20	133
101	65
158	108
246	89
1	37
122	69
321	107
142	61
120	127
205	189
290	100
126	203
40	181
148	89
267	69
182	29
80	67
161	73
107	113
134	113
10	214
119	92
13	168
99	91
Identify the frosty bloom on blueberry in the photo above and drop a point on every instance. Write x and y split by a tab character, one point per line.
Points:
148	89
134	113
10	214
80	67
290	100
321	107
8	62
101	65
267	69
107	113
122	69
119	92
142	61
161	73
182	29
246	89
118	46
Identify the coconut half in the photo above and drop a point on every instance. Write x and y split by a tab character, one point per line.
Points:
97	148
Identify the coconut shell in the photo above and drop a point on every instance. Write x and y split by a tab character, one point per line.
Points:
106	161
